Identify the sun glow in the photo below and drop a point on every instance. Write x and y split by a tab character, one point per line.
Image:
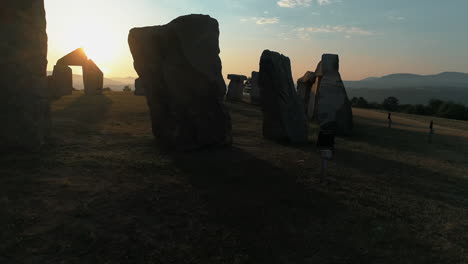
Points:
102	36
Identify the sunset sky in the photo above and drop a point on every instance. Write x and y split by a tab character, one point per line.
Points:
372	37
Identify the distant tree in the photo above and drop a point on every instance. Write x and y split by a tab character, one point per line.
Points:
407	108
390	104
374	105
127	89
106	89
359	102
420	109
434	105
451	110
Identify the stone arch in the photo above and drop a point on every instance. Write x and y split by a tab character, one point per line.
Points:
61	82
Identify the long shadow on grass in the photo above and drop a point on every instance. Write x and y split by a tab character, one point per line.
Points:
417	180
276	219
90	110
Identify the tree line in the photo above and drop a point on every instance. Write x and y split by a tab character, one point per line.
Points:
435	107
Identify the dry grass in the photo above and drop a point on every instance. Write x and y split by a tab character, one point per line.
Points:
100	192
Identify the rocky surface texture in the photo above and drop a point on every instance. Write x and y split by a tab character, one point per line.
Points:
24	106
283	114
179	66
236	87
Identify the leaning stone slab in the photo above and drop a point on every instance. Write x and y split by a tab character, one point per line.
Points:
236	87
283	115
181	71
77	57
24	104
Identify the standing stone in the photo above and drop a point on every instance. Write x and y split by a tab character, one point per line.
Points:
24	107
61	81
304	88
140	87
255	90
236	87
333	103
283	114
93	78
312	106
180	69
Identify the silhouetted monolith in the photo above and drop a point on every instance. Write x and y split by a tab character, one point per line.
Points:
333	105
139	88
179	66
93	78
77	57
61	81
24	106
304	88
255	89
236	87
283	114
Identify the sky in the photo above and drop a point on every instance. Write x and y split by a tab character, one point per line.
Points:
372	37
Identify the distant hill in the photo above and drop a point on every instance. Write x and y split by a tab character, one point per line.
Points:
412	88
406	80
116	84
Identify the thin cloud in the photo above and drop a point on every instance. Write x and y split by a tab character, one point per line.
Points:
396	18
293	3
262	20
305	32
298	3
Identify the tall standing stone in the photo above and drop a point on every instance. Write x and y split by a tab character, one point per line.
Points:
140	88
236	87
24	107
283	115
334	106
93	78
179	66
255	90
61	81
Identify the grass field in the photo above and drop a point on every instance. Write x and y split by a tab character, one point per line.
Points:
100	192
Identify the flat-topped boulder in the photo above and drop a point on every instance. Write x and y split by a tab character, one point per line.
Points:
180	71
24	104
333	105
236	87
283	115
255	89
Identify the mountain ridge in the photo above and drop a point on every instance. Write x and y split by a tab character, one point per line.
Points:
409	80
